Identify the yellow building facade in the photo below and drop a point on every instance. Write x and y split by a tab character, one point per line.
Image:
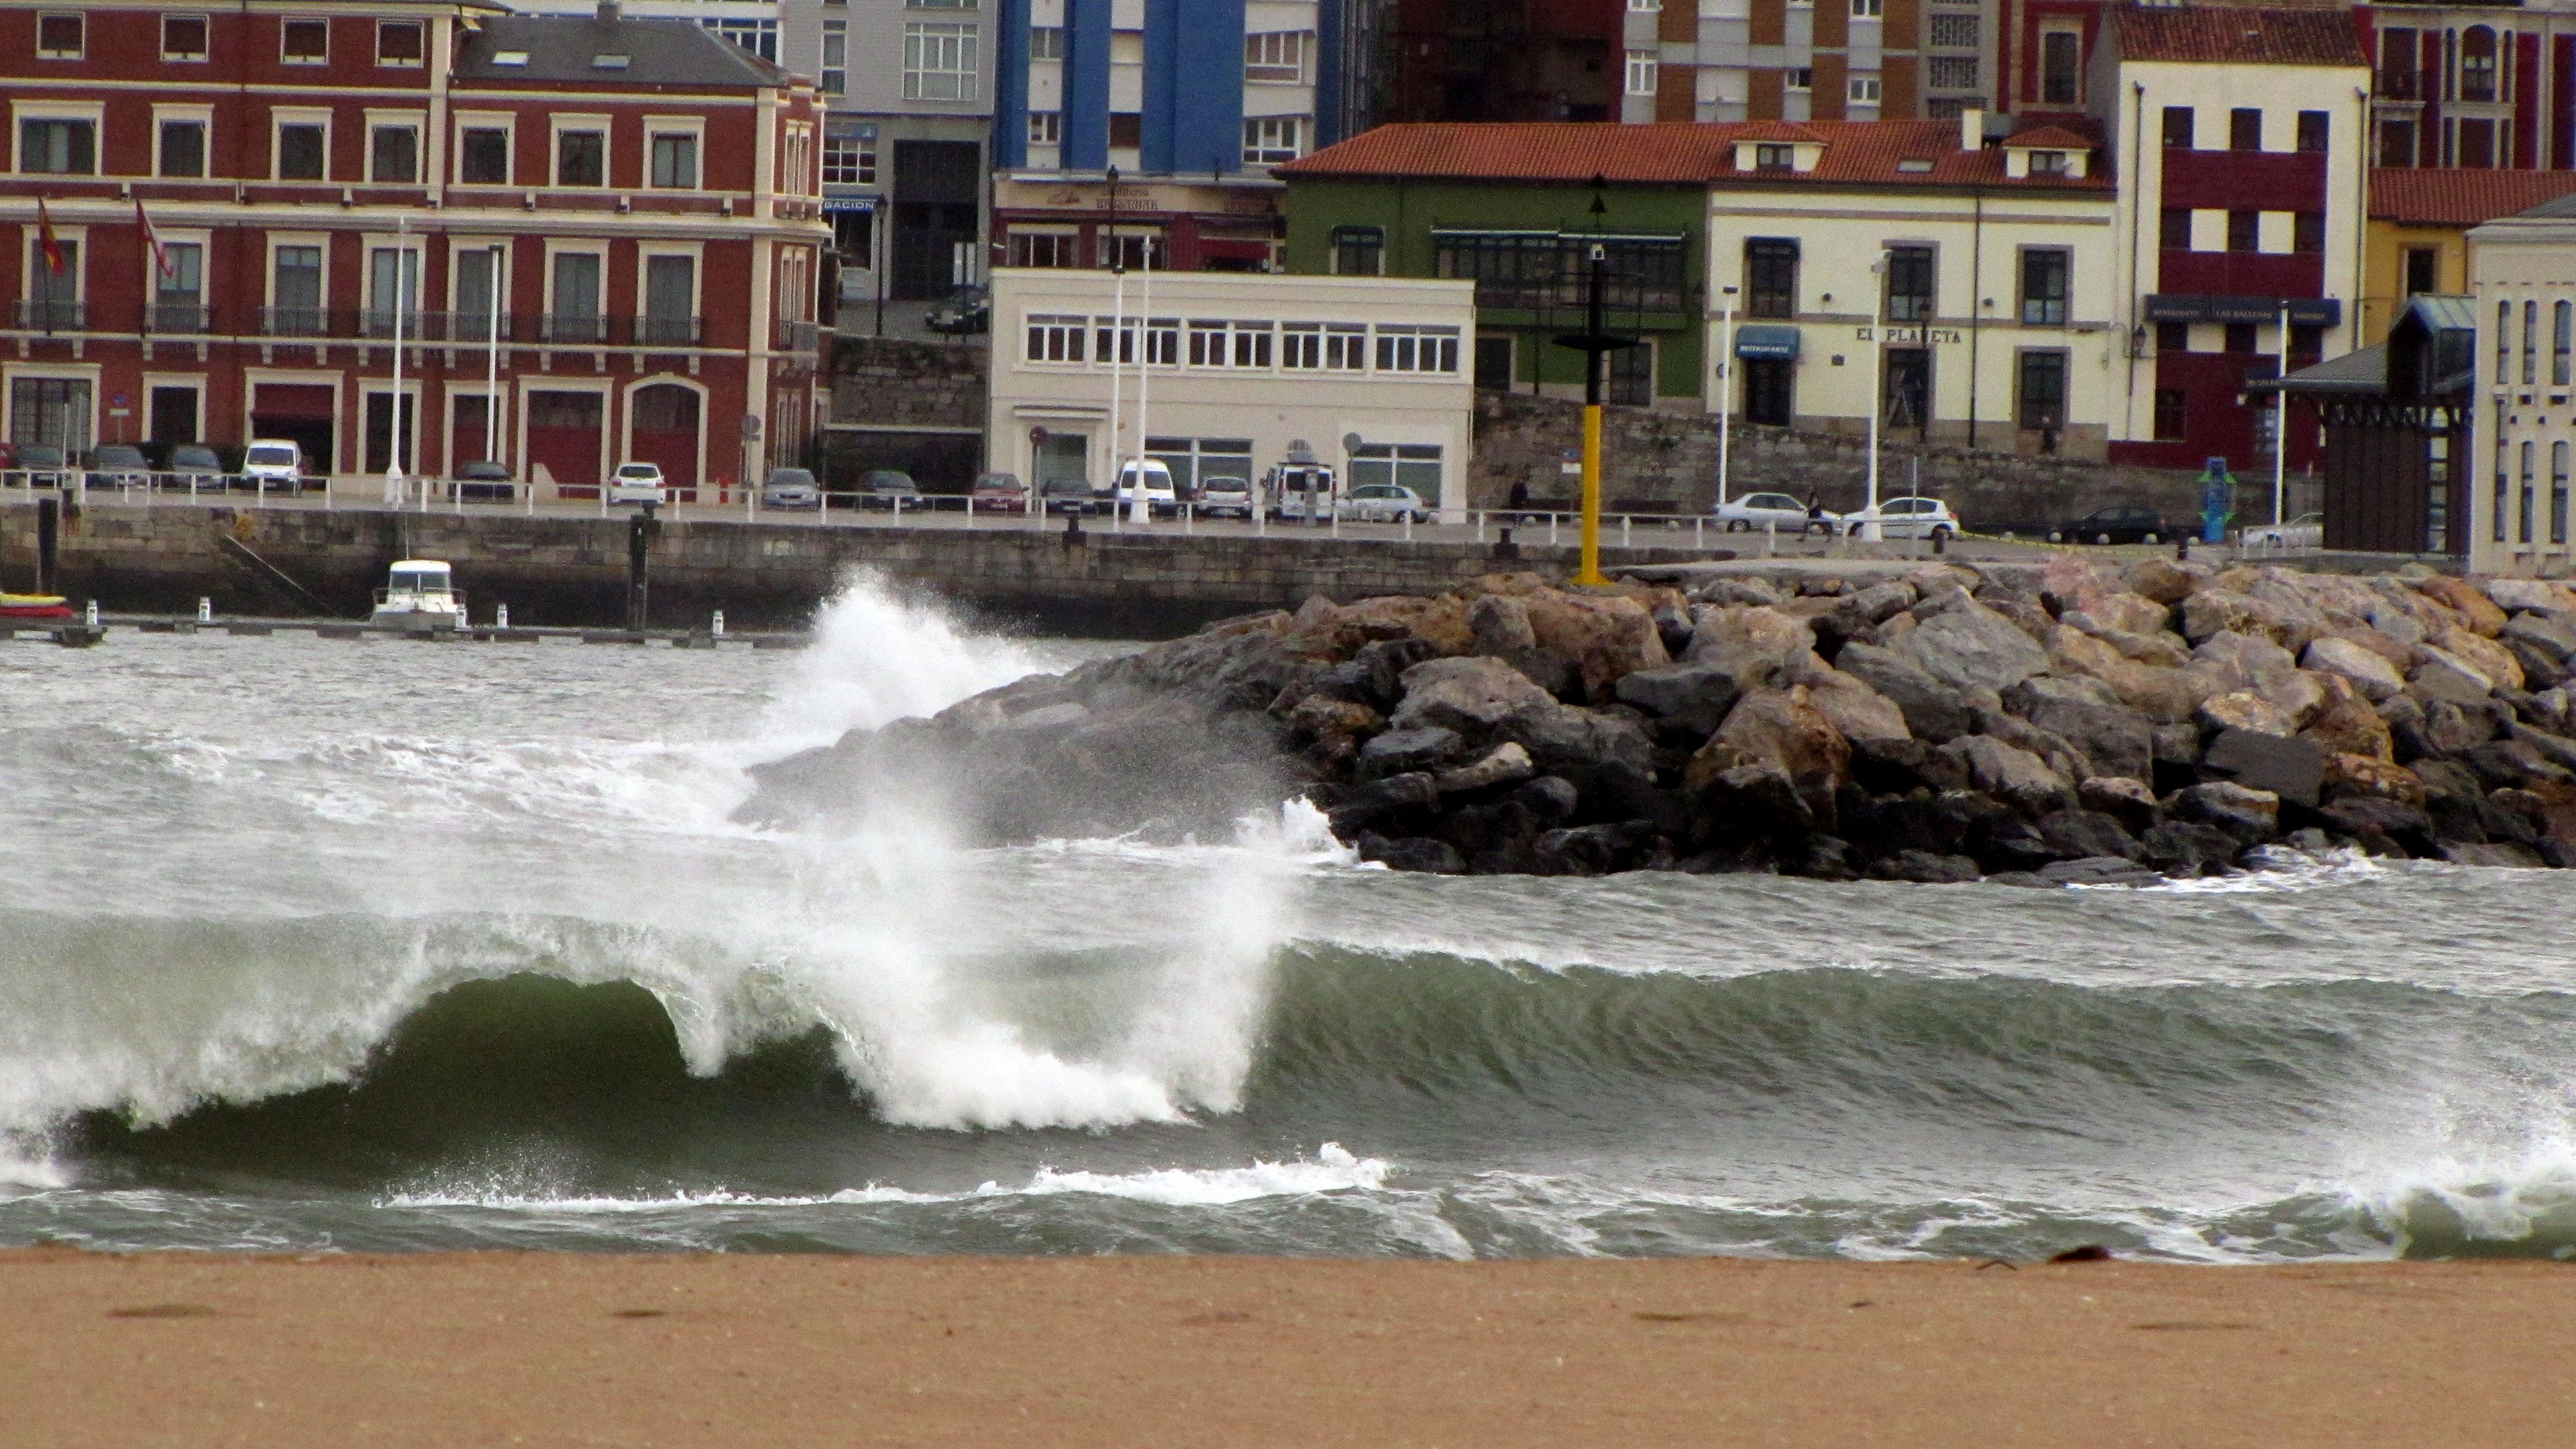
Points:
2417	237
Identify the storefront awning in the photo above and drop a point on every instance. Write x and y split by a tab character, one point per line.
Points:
1767	341
849	203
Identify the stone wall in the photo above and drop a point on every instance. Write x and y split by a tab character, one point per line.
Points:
892	382
1671	459
572	571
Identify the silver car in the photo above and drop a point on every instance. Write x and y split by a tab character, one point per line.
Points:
1383	503
1225	498
790	488
1756	512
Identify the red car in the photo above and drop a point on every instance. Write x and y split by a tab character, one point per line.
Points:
999	493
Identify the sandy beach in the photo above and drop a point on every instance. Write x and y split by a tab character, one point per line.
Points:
505	1348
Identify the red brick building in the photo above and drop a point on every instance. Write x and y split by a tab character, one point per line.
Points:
640	198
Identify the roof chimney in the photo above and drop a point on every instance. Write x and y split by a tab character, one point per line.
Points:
608	12
1972	123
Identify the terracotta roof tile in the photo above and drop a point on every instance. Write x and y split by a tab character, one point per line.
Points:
2207	35
2458	196
1678	154
2055	138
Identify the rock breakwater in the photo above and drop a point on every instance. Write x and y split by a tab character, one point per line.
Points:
1943	722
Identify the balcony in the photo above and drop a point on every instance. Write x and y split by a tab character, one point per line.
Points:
48	314
469	329
574	328
803	337
666	331
380	325
2400	85
179	319
295	322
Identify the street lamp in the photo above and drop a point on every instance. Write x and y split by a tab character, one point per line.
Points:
1725	381
1117	335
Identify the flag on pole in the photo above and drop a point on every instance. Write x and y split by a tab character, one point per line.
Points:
161	261
45	232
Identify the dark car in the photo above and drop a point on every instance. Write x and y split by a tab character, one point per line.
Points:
2113	525
998	493
44	464
966	310
119	465
194	466
1068	495
485	482
888	488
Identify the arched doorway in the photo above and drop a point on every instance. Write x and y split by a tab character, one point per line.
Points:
664	425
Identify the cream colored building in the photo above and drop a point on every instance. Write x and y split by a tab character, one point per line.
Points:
1223	372
1965	281
2522	278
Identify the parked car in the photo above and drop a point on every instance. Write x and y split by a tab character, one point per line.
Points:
1223	497
45	465
636	483
998	493
194	467
2306	531
2124	524
1066	496
272	465
485	482
1905	518
1756	512
1155	479
790	488
963	311
1383	503
119	465
888	488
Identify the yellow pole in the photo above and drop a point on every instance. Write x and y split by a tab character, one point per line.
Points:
1591	570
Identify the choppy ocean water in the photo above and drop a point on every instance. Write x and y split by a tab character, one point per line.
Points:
310	944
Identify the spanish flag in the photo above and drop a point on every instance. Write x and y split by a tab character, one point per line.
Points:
45	232
152	241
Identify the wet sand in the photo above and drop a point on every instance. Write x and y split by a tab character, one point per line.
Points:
561	1350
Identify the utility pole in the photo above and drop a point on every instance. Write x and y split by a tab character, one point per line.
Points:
1725	382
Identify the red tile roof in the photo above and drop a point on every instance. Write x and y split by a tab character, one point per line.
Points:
2204	35
2457	196
2055	138
1674	154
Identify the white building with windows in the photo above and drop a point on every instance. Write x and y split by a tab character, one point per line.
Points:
2522	277
1221	374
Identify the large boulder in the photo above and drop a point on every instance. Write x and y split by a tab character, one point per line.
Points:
1505	764
2245	710
2008	773
1933	710
1854	613
1400	752
2290	769
2161	694
2086	834
2492	659
1602	637
1969	646
2476	611
1694	697
2373	675
1862	714
2245	658
1472	695
2347	725
2249	816
2442	675
1578	743
2113	738
2361	777
2514	595
1760	648
2126	613
1784	729
2164	581
1334	728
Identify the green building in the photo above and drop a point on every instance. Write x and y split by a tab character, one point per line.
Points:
1511	206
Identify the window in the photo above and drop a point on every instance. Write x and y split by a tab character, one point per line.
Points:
2244	231
2173	337
581	158
393	280
57	147
2238	337
2396	80
1207	343
2503	479
183	148
1417	349
2042	390
1272	138
574	314
1952	72
60	37
2504	348
1802	78
1862	90
1909	283
1345	347
1956	31
2061	59
2308	231
2562	337
1641	72
1252	344
2558	492
2530	345
304	42
1045	249
1867	9
1301	346
939	61
295	291
1056	339
483	156
2044	275
1768	156
183	37
1770	278
675	162
1046	128
2422	267
2396	141
1126	130
1359	251
477	269
1278	55
1046	42
398	42
178	288
2313	127
2477	144
2048	163
1546	269
393	154
303	151
2523	535
2245	129
836	57
2172	415
2178	127
760	37
849	155
56	296
2478	68
671	301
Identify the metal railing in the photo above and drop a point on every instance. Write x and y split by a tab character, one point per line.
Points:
297	322
49	314
573	327
799	336
182	318
666	331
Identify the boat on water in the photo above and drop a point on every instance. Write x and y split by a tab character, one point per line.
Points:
34	606
419	594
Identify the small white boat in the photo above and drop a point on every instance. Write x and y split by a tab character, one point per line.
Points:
421	594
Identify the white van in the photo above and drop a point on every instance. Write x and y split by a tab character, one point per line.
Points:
273	465
1161	501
